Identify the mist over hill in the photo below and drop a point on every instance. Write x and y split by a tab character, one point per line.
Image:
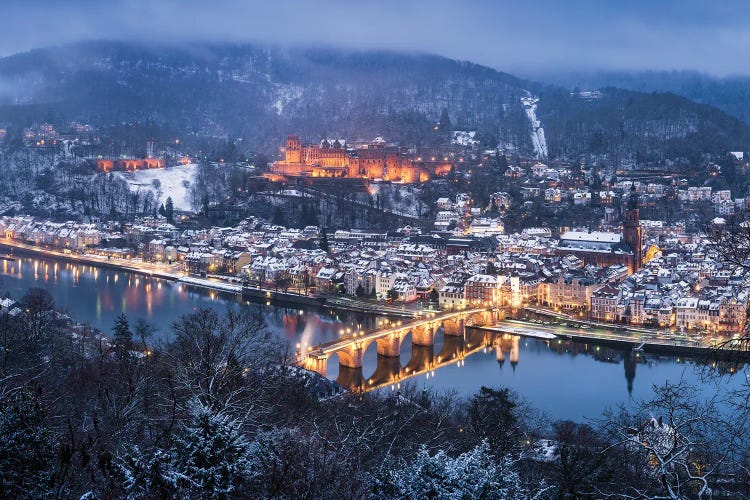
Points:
261	93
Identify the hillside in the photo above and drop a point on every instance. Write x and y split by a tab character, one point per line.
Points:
730	94
262	93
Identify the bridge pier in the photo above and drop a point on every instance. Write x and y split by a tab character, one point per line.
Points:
317	363
352	355
454	327
390	346
423	335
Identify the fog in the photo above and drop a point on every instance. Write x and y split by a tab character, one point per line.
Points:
524	37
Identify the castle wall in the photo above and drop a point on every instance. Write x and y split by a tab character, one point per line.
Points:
129	164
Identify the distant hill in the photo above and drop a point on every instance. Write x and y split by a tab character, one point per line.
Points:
730	94
262	93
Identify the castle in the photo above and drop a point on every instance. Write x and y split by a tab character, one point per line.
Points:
373	161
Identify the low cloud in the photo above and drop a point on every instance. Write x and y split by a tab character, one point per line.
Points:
520	36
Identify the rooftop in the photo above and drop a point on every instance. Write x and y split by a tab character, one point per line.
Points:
597	236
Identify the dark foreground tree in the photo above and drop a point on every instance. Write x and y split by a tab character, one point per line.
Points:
680	444
492	417
122	335
730	242
27	453
169	210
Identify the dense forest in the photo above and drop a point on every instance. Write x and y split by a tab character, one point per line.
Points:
730	94
218	412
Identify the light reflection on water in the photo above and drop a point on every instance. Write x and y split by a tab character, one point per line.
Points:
567	380
98	295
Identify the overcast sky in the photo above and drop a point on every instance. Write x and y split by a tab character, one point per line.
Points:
524	36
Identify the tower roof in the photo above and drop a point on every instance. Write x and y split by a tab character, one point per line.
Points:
633	199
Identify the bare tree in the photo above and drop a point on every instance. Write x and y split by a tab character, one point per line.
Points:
212	358
730	240
678	446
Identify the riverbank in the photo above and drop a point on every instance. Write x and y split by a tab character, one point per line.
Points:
637	340
142	268
173	273
152	270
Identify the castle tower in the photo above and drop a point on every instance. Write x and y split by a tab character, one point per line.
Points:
293	149
632	230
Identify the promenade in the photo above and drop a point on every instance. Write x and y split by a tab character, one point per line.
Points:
658	341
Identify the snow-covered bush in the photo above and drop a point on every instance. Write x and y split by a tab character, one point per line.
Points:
473	474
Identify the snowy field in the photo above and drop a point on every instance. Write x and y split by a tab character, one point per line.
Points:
175	182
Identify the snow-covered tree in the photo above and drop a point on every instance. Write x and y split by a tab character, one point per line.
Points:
209	458
473	474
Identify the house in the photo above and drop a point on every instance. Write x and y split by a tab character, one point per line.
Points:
452	297
324	280
604	303
406	291
482	289
569	291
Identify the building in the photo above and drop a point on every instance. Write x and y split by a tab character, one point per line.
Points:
604	303
133	164
632	233
483	289
129	164
572	291
606	249
452	297
332	158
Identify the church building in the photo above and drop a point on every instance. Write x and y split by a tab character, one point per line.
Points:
606	249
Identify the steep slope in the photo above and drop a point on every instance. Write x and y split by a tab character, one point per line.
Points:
262	93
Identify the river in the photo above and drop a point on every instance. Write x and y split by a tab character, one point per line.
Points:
565	380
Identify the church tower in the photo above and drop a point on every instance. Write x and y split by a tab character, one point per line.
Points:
632	230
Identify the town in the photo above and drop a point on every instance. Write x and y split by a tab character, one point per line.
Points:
628	271
323	249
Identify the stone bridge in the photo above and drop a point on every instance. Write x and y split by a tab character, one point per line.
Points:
351	349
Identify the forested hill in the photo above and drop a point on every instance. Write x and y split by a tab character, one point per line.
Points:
730	94
262	93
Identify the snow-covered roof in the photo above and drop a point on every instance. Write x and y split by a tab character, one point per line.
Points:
598	236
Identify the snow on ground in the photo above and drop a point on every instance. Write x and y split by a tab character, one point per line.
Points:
286	93
525	332
464	138
175	183
537	132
